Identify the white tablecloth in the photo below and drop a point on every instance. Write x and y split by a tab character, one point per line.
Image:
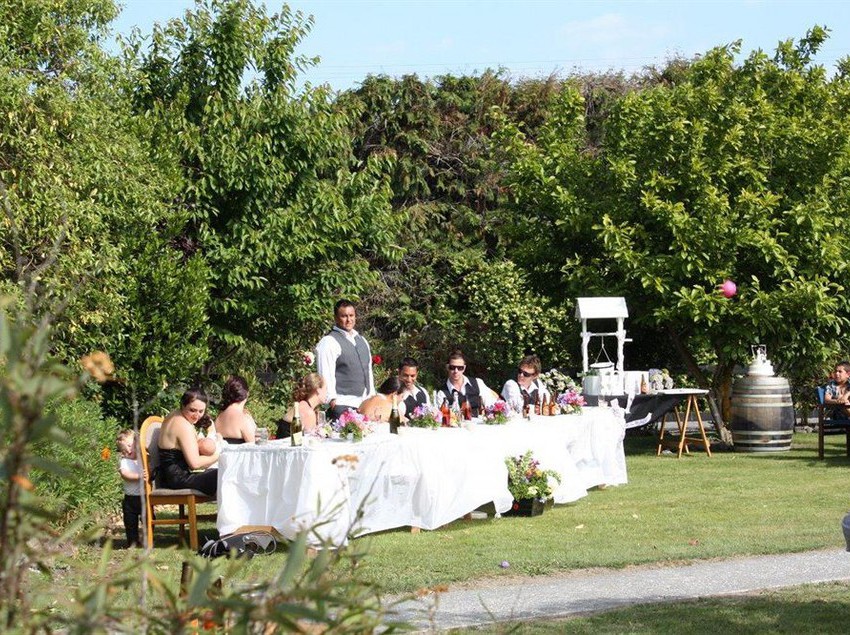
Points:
421	478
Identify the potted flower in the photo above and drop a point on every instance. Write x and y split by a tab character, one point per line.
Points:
530	486
424	416
352	424
570	402
497	414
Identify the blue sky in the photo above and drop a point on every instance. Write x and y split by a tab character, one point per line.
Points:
534	38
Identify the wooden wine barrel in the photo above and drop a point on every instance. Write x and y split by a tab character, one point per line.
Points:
762	414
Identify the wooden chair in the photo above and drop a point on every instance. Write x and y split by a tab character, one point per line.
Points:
154	496
828	425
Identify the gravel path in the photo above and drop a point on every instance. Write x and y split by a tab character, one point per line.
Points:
550	597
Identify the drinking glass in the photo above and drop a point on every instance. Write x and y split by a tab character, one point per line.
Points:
262	436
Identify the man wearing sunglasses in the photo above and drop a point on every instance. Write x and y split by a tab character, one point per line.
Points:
527	388
466	389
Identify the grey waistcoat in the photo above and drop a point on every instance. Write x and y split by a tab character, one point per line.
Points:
352	366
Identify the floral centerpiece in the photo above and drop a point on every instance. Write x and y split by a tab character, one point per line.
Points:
497	414
528	484
570	402
424	416
557	382
353	423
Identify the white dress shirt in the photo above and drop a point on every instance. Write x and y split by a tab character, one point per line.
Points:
488	397
512	393
327	352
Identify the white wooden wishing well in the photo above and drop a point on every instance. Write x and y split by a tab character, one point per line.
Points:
602	309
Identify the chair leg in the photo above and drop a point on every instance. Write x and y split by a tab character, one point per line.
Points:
193	525
182	525
820	439
149	526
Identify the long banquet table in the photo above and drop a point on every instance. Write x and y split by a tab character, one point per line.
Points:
419	478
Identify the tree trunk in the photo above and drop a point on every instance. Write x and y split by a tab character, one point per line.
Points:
718	414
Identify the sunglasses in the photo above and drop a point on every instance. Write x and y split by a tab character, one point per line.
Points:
451	367
526	374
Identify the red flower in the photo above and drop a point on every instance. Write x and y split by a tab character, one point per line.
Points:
515	506
377	359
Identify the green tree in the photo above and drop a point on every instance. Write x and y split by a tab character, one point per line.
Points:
734	171
87	206
284	216
447	182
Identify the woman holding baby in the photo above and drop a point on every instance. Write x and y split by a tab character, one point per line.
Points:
179	451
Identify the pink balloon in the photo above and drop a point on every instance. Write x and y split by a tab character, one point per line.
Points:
728	289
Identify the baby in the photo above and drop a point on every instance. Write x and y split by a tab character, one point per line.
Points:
206	444
206	447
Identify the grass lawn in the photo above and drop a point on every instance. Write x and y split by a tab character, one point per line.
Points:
670	511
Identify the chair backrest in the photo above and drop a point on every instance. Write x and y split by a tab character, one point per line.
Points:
820	393
149	448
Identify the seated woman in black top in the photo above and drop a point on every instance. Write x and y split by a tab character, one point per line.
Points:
309	393
178	448
233	423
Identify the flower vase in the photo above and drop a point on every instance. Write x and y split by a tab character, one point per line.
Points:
526	507
349	437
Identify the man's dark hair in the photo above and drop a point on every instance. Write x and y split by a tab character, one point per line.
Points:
457	354
844	365
408	361
533	361
343	304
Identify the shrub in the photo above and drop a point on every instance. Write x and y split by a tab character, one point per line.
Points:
90	483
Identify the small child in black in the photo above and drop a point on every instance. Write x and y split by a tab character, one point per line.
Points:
131	474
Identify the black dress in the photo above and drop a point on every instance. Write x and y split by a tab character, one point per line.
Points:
234	440
174	473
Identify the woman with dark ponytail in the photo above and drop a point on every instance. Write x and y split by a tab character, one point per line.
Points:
234	423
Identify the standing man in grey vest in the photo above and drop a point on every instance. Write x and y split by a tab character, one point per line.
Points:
344	360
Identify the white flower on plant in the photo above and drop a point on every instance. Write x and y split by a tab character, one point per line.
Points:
308	357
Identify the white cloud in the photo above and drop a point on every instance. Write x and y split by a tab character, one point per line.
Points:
613	29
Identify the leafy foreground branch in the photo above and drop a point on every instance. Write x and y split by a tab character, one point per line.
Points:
324	594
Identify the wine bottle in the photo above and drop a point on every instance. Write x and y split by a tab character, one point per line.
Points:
544	406
466	410
296	437
456	414
526	407
395	419
446	413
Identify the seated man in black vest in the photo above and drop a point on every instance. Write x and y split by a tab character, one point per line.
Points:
527	388
344	360
414	395
465	389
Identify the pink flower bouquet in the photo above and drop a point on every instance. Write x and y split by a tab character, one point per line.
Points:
498	413
353	423
570	402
